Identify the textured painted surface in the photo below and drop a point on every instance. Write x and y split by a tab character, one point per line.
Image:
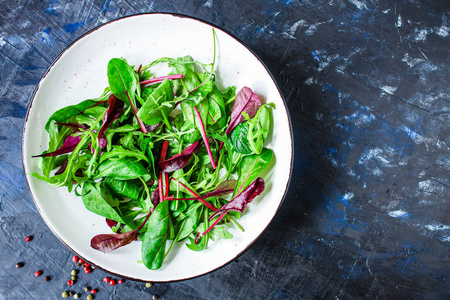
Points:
367	213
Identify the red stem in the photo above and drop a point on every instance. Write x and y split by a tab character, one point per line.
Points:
132	106
205	138
196	195
215	223
160	79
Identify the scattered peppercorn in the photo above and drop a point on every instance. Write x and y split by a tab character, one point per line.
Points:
148	284
75	258
92	267
154	297
73	277
106	280
86	289
70	282
19	265
112	282
120	281
89	297
46	278
64	294
73	272
76	296
70	293
87	270
86	265
94	291
28	238
78	264
81	261
38	273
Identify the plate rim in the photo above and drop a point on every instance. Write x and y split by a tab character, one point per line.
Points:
178	15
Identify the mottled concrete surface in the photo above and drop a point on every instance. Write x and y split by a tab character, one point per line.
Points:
367	86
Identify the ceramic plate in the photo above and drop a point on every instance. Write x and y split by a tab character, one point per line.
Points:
79	73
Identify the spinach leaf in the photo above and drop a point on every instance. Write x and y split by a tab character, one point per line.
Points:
122	79
64	114
154	243
250	167
238	139
96	200
125	188
123	169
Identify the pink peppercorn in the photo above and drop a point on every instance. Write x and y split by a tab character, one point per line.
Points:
38	273
112	282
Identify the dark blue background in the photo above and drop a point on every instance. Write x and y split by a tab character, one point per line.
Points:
367	87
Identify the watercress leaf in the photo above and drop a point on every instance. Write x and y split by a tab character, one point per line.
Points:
154	243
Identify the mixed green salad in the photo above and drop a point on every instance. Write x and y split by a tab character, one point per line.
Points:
171	158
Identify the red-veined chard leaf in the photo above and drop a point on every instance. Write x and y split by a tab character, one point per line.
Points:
239	203
179	161
70	143
110	242
222	189
245	101
113	111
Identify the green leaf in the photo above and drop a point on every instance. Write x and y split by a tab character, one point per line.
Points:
123	169
250	167
125	188
122	78
96	200
158	105
154	243
238	139
64	114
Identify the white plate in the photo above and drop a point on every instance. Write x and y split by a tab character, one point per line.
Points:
79	73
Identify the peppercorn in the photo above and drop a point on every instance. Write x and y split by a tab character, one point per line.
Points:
106	280
76	296
86	265
75	258
154	297
94	291
112	282
78	264
87	270
46	278
70	293
73	277
86	289
38	273
120	281
81	261
89	297
19	265
73	272
28	238
64	294
70	282
148	284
